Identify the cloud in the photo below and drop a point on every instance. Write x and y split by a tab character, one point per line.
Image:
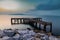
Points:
17	6
37	7
47	7
50	5
44	12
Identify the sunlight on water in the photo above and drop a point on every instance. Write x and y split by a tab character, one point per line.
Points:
5	22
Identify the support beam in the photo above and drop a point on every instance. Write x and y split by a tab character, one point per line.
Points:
35	22
45	27
39	26
50	27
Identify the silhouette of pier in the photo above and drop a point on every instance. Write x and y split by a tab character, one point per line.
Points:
34	22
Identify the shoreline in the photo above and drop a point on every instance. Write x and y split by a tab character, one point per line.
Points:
38	32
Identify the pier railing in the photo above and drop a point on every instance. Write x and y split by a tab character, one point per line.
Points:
34	22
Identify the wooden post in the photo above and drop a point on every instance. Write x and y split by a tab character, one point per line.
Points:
39	26
17	21
36	24
21	21
11	21
44	27
50	27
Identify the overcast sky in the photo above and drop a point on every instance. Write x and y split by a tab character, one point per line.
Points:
33	7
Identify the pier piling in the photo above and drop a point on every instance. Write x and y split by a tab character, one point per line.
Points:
34	22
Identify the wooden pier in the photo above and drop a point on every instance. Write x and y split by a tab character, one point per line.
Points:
34	22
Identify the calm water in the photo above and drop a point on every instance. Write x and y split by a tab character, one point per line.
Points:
7	24
55	21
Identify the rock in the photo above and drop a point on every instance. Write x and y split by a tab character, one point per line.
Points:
27	36
9	33
49	34
22	32
11	38
52	38
16	37
37	39
5	38
31	32
2	34
0	38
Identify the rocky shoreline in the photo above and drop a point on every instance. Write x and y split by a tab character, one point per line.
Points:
26	34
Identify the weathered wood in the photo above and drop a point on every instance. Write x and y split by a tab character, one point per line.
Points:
51	27
31	22
44	27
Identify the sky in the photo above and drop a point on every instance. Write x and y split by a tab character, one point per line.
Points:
42	7
16	8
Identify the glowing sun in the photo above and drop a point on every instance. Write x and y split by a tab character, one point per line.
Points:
9	5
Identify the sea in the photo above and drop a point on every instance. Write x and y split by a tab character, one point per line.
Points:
5	22
55	23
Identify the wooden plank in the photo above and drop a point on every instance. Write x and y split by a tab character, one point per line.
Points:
31	21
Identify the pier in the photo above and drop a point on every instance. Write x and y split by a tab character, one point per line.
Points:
34	22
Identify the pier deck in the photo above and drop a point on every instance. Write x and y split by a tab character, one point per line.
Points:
34	22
